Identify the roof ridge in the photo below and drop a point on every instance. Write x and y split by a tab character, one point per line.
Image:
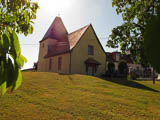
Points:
75	36
79	29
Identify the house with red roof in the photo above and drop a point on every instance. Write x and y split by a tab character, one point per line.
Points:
79	52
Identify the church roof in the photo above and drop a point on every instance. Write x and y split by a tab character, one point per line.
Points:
56	31
60	41
75	37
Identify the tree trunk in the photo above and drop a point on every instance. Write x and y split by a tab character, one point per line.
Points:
154	76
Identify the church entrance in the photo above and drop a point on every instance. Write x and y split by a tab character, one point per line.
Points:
90	70
91	66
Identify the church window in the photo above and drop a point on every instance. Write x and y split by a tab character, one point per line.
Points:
90	50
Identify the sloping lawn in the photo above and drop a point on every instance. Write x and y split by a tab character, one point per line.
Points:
49	96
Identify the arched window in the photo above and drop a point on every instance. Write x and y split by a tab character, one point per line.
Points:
111	67
123	67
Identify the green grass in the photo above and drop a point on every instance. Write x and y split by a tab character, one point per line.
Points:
49	96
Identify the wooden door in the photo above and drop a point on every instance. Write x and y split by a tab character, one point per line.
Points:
90	70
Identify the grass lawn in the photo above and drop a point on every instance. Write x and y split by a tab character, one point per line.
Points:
49	96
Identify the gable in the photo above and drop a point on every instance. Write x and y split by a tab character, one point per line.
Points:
97	39
80	53
90	36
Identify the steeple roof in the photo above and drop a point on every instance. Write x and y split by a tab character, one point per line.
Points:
57	37
57	31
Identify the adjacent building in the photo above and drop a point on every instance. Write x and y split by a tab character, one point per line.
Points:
116	57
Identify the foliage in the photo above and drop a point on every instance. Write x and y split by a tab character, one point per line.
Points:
122	67
130	35
152	42
16	17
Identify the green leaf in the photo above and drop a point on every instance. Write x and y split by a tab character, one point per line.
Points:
33	16
11	72
20	60
8	31
16	44
1	42
4	76
18	81
27	19
26	15
6	42
2	71
11	18
4	88
30	29
25	60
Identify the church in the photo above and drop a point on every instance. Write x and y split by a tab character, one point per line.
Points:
79	52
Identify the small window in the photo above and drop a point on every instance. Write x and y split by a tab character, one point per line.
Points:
59	63
90	50
50	64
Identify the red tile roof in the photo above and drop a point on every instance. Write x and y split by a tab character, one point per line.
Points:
74	37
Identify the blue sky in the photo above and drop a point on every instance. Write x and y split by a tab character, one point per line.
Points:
75	14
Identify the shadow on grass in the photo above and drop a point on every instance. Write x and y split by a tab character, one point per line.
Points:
130	83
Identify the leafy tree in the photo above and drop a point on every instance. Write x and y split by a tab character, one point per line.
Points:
130	35
16	17
152	43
